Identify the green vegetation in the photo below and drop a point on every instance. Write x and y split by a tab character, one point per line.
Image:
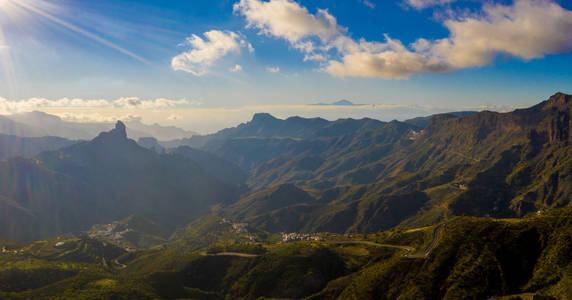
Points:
475	206
482	164
473	258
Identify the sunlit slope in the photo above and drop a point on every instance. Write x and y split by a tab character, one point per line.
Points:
476	258
484	164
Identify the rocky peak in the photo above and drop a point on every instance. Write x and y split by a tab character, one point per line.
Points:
119	133
120	129
559	100
262	117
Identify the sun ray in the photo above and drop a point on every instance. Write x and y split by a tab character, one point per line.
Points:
30	7
7	66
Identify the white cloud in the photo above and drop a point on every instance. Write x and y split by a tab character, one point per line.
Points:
421	4
316	57
273	69
174	117
236	68
389	60
204	52
526	29
94	117
9	107
289	20
160	103
250	48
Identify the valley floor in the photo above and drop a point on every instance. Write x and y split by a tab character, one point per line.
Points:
463	258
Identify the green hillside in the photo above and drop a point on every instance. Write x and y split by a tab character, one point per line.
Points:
483	164
468	206
464	258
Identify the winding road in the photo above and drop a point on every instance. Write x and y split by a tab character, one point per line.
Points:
237	254
410	251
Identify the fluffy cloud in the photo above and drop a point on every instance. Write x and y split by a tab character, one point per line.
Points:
273	69
389	60
8	107
160	103
94	117
526	29
236	68
289	20
174	117
421	4
204	52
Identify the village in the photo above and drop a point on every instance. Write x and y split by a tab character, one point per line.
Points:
108	232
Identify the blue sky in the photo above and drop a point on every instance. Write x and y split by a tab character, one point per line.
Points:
279	55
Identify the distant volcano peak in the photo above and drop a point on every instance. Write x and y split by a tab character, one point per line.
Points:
343	102
262	117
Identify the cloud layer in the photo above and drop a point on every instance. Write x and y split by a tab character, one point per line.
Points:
527	29
205	120
9	107
204	52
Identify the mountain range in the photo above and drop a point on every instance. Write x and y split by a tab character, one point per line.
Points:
372	174
456	206
106	179
40	124
14	146
302	175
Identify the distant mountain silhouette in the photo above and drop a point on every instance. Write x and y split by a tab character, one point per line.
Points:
150	143
106	179
13	146
11	127
342	102
39	124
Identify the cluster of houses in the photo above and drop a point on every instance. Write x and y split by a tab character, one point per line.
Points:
294	236
16	251
236	227
108	232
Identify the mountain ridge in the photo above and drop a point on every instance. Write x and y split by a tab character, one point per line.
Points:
106	179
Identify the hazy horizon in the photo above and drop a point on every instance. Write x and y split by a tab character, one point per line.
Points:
207	65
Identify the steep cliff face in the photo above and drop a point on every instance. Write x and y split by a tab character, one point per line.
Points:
515	163
559	127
